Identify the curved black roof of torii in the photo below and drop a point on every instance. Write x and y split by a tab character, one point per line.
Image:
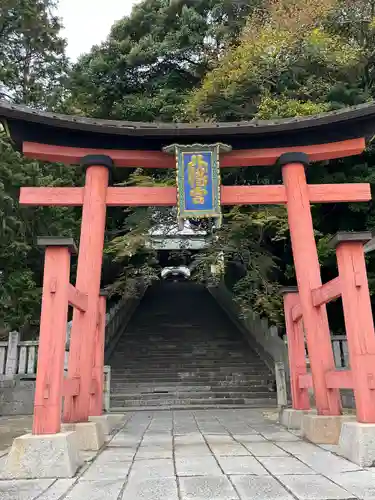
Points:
31	125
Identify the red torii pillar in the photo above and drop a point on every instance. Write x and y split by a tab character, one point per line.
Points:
96	403
84	327
296	350
358	320
308	276
55	301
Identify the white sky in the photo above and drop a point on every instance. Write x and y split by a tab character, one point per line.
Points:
88	22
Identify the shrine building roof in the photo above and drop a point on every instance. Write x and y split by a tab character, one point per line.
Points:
30	125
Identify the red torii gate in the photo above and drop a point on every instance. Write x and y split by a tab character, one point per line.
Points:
96	194
29	130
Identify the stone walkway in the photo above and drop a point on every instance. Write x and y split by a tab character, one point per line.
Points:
204	455
10	428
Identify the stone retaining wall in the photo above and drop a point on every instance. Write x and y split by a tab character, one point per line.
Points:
16	397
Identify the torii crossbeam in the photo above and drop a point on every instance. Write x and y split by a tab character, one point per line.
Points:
167	196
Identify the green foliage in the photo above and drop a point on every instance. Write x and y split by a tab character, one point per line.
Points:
155	57
287	55
143	71
20	262
131	251
295	59
33	65
33	69
283	107
277	59
246	240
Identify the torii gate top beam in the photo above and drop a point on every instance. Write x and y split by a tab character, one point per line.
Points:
159	159
67	139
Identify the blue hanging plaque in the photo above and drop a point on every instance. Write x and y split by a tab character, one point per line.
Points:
198	180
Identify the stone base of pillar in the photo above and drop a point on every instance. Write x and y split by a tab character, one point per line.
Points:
108	422
292	419
43	456
357	443
90	435
321	429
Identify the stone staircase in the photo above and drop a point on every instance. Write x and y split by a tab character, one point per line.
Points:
180	350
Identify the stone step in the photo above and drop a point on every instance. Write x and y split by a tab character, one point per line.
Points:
192	372
146	377
263	391
192	395
181	346
216	385
118	402
187	359
204	356
184	362
180	343
255	404
177	338
219	371
196	389
186	350
220	368
146	389
151	382
189	379
193	375
181	351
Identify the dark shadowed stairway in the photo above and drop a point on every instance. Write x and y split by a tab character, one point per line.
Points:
181	350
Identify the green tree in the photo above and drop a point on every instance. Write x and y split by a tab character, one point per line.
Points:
154	57
286	64
144	71
180	60
33	68
33	64
21	263
297	58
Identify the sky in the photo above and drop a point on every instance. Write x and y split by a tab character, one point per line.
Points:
88	22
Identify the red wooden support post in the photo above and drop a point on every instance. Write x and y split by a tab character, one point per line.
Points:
296	351
308	278
96	408
81	357
50	371
358	320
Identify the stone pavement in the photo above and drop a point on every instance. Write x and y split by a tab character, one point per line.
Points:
12	427
204	455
